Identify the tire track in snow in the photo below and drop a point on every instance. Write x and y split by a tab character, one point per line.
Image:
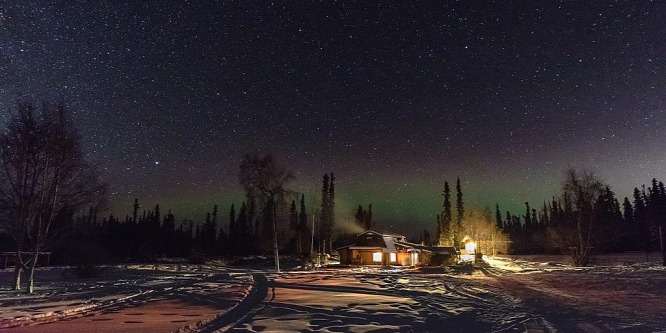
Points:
239	313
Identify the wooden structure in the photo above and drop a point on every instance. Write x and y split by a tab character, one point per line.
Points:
8	259
374	248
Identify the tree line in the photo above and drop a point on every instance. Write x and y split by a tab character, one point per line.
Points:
583	219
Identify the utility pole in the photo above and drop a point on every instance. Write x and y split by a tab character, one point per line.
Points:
275	239
313	227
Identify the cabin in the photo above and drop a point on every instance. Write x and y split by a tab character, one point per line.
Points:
381	249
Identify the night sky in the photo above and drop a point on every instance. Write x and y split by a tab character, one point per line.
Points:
393	98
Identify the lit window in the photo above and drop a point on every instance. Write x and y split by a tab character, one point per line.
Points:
393	257
377	257
416	257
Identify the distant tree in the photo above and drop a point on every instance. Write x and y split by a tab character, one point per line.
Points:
263	178
302	225
460	214
583	188
155	221
641	220
446	236
135	210
234	232
359	218
242	234
168	231
327	219
545	221
331	213
488	237
369	222
43	175
528	217
251	225
438	232
498	218
293	224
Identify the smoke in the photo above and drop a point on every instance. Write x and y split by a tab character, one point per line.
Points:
349	226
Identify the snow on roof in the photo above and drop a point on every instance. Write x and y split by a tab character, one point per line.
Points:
390	246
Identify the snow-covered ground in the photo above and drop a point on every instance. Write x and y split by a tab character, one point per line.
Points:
621	293
135	298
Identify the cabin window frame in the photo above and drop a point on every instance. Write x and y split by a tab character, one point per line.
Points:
376	257
393	257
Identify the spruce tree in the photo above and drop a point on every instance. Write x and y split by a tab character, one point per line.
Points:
460	214
252	226
244	238
544	215
498	218
324	215
447	218
438	234
629	226
293	224
234	234
135	210
331	211
528	217
359	218
302	225
641	221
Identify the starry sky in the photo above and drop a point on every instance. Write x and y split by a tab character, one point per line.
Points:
395	98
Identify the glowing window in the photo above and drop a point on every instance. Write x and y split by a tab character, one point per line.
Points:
416	257
393	257
377	257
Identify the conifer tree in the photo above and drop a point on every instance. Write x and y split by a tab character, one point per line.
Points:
302	225
438	234
446	237
327	219
244	239
233	237
460	213
331	211
324	215
359	218
544	215
528	217
641	220
293	223
135	210
498	218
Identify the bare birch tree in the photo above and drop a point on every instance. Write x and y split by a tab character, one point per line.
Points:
583	187
263	178
43	174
